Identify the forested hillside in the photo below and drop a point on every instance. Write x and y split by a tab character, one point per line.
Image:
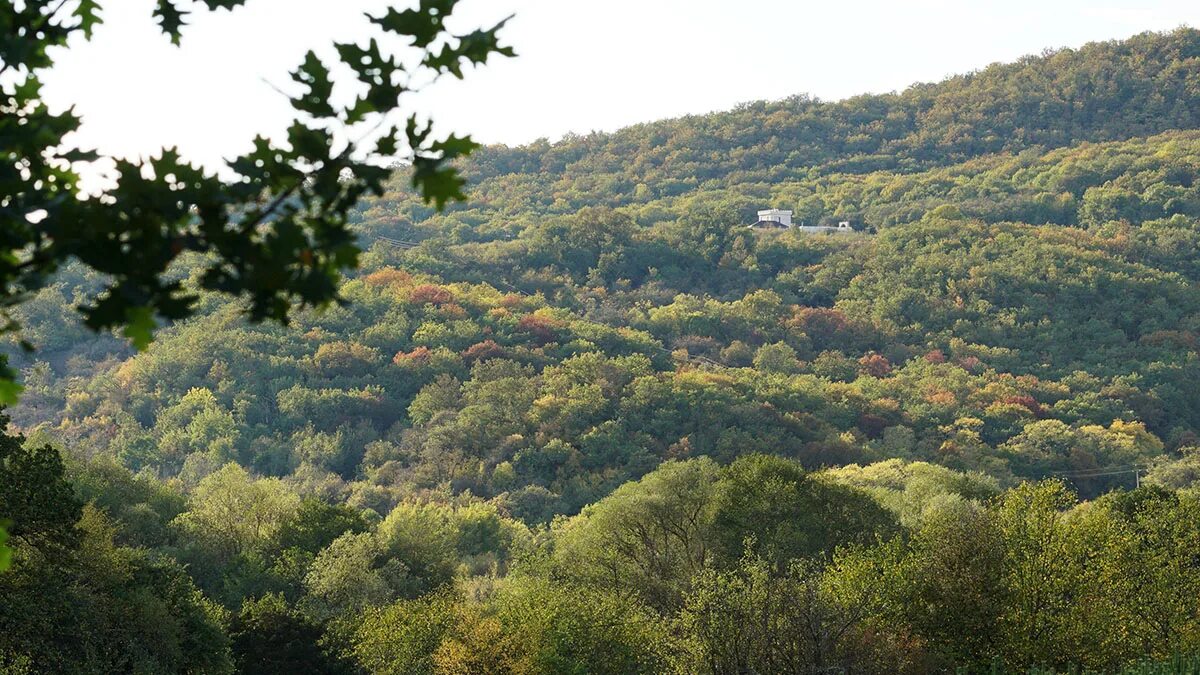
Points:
1101	92
588	421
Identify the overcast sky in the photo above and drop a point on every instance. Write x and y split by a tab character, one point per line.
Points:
583	64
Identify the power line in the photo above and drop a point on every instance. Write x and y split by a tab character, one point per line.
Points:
1102	470
1098	472
398	243
1101	473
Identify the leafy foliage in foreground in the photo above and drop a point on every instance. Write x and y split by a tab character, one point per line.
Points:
645	580
275	232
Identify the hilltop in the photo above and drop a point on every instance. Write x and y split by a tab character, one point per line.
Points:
1110	91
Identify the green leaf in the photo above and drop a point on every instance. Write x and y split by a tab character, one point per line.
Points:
88	13
423	24
315	145
139	327
315	76
453	146
436	183
388	144
223	4
5	551
376	70
10	390
170	19
474	48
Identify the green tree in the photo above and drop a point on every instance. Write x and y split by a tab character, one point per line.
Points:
948	588
756	618
271	638
236	514
351	575
75	601
401	639
573	630
1153	536
770	505
39	504
36	497
648	537
315	524
777	358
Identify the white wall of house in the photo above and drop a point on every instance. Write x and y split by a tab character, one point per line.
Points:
781	216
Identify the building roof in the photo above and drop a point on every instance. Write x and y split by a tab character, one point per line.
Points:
771	224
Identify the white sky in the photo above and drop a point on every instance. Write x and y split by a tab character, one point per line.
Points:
583	64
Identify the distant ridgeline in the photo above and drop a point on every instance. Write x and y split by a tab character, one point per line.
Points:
1101	92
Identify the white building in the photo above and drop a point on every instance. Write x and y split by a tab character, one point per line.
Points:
843	227
781	219
781	216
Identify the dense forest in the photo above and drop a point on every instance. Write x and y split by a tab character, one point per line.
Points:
588	421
